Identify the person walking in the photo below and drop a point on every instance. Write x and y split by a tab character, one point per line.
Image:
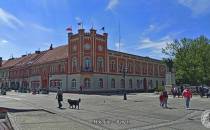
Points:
174	91
165	99
179	92
187	95
81	86
59	97
161	98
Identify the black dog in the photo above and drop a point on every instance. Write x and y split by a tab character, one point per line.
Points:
74	103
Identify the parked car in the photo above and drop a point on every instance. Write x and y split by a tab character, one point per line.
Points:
204	91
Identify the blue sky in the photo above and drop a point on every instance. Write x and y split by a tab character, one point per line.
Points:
146	25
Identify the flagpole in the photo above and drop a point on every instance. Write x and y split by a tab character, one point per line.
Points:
119	36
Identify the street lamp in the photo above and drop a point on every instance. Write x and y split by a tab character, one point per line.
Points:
125	71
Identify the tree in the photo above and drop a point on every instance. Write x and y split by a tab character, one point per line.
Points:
191	59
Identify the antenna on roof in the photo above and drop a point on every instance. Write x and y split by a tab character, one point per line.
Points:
11	56
92	25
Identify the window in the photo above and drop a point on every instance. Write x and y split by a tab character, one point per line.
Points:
130	83
120	67
141	82
74	64
87	83
100	64
138	83
112	65
35	84
55	83
87	64
150	84
73	83
157	84
112	83
62	68
163	83
122	82
100	83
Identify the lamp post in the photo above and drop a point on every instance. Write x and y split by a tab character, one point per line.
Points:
125	70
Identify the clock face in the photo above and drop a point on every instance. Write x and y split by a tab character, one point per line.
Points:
100	48
87	46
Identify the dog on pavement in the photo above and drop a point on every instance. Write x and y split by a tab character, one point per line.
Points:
74	103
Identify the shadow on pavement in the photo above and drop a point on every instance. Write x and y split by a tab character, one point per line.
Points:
21	110
196	109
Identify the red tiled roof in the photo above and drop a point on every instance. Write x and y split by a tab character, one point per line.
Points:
11	62
29	59
57	53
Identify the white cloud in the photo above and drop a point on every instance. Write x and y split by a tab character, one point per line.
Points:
147	43
78	19
41	28
197	6
3	43
154	46
112	4
154	28
119	46
9	19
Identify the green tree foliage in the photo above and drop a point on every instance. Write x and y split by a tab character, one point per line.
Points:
191	59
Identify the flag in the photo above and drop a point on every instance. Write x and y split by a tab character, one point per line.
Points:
103	28
80	23
69	29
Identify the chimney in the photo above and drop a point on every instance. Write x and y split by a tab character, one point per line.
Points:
24	55
37	52
1	61
92	31
81	31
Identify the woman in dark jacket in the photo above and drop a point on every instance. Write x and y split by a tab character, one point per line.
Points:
165	95
59	96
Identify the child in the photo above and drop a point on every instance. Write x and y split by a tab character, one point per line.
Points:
161	97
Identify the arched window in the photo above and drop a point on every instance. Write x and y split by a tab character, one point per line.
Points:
87	64
112	83
100	64
130	83
122	82
157	84
100	83
141	83
138	83
87	83
151	84
73	83
74	64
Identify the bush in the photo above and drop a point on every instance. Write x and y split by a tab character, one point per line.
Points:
159	88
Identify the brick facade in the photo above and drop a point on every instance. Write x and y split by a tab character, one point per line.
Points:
84	62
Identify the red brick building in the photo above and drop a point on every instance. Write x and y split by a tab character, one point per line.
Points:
84	62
